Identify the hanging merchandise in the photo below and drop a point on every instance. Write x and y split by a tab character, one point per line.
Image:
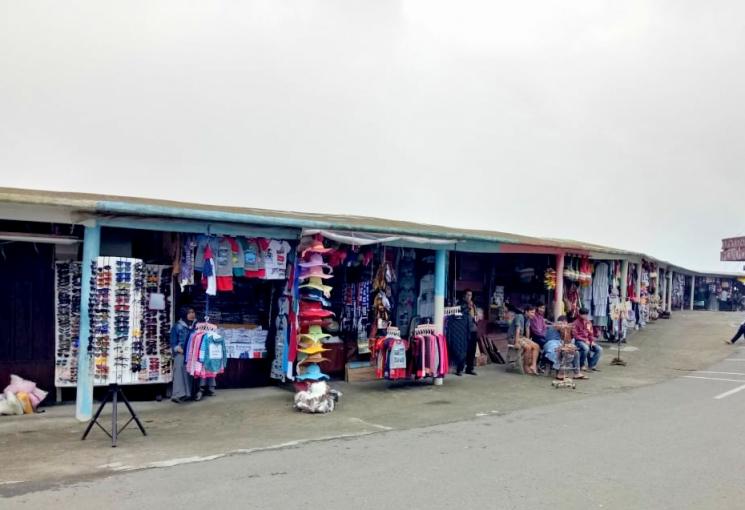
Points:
206	356
571	271
129	342
456	333
406	293
67	321
549	279
572	302
389	356
313	395
275	262
426	300
429	353
600	294
155	322
585	272
209	272
187	262
282	332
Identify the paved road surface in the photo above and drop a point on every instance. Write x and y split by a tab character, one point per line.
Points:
673	445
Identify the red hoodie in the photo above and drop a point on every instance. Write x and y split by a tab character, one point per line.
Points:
582	330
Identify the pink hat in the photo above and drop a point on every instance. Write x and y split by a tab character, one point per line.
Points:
314	272
315	246
316	259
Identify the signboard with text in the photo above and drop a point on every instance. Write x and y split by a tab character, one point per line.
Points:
733	249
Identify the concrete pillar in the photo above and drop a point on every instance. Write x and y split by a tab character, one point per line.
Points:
624	279
693	289
638	284
440	277
669	306
559	291
84	395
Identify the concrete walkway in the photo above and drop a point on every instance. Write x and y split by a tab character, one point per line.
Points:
47	451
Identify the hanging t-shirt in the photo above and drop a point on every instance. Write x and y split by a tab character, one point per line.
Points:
208	273
239	262
275	261
224	266
254	257
251	255
202	243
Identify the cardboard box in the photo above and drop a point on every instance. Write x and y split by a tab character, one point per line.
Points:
359	371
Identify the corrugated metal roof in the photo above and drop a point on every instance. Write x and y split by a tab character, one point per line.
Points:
115	204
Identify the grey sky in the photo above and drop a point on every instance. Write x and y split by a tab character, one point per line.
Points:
620	123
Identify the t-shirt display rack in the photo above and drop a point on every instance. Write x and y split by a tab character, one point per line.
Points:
129	340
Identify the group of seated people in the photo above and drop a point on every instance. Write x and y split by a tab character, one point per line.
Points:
564	345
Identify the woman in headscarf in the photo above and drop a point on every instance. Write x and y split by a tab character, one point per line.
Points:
180	333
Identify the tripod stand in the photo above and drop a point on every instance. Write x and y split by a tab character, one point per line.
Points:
112	395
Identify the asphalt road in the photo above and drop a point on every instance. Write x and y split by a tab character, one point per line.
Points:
673	445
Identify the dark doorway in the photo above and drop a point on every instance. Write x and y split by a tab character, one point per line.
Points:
27	314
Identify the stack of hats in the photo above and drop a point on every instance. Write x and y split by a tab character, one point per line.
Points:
314	315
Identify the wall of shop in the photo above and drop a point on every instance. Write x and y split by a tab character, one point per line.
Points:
27	313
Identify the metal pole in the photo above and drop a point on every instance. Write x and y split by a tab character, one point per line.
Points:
624	280
669	306
84	395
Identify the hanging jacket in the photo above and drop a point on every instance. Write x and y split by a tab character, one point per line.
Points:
213	353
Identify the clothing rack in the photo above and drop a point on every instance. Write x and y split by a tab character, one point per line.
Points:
205	326
393	331
453	310
424	329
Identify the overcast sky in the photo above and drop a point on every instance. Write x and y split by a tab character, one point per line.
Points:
620	123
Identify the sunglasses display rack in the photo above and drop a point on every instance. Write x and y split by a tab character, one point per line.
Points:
156	324
128	342
67	321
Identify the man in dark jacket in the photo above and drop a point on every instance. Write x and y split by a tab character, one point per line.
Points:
469	310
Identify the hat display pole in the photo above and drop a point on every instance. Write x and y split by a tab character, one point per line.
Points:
312	394
617	361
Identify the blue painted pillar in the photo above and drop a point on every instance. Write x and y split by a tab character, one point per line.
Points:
440	277
84	397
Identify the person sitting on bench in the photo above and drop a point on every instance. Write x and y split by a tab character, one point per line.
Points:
519	336
560	343
584	339
539	325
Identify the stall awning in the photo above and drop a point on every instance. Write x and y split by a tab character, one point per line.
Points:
366	239
198	227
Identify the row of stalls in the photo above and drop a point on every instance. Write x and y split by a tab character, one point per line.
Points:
287	302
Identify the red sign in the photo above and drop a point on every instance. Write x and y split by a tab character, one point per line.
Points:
733	249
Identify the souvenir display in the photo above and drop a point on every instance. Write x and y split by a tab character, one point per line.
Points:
206	354
313	313
130	312
67	320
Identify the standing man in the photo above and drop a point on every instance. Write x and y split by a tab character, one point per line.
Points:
584	338
469	310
